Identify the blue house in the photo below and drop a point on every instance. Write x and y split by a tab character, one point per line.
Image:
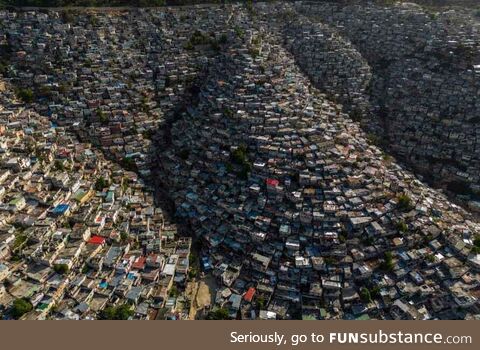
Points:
61	209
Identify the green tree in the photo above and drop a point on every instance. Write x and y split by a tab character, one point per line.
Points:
329	260
129	164
188	46
476	241
123	236
476	245
101	183
239	32
20	307
60	269
239	157
19	241
121	312
108	313
387	264
26	95
3	65
249	6
102	117
260	302
404	202
365	295
192	273
59	165
218	314
375	291
173	293
402	226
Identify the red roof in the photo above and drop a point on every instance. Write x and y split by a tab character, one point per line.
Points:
272	182
96	240
249	294
139	264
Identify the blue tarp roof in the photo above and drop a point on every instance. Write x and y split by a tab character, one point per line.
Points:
61	208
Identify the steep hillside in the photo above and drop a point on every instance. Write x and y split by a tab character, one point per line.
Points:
424	79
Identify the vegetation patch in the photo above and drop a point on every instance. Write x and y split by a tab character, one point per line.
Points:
218	314
404	202
20	307
121	312
25	95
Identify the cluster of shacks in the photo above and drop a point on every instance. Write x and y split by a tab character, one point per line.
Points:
249	122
